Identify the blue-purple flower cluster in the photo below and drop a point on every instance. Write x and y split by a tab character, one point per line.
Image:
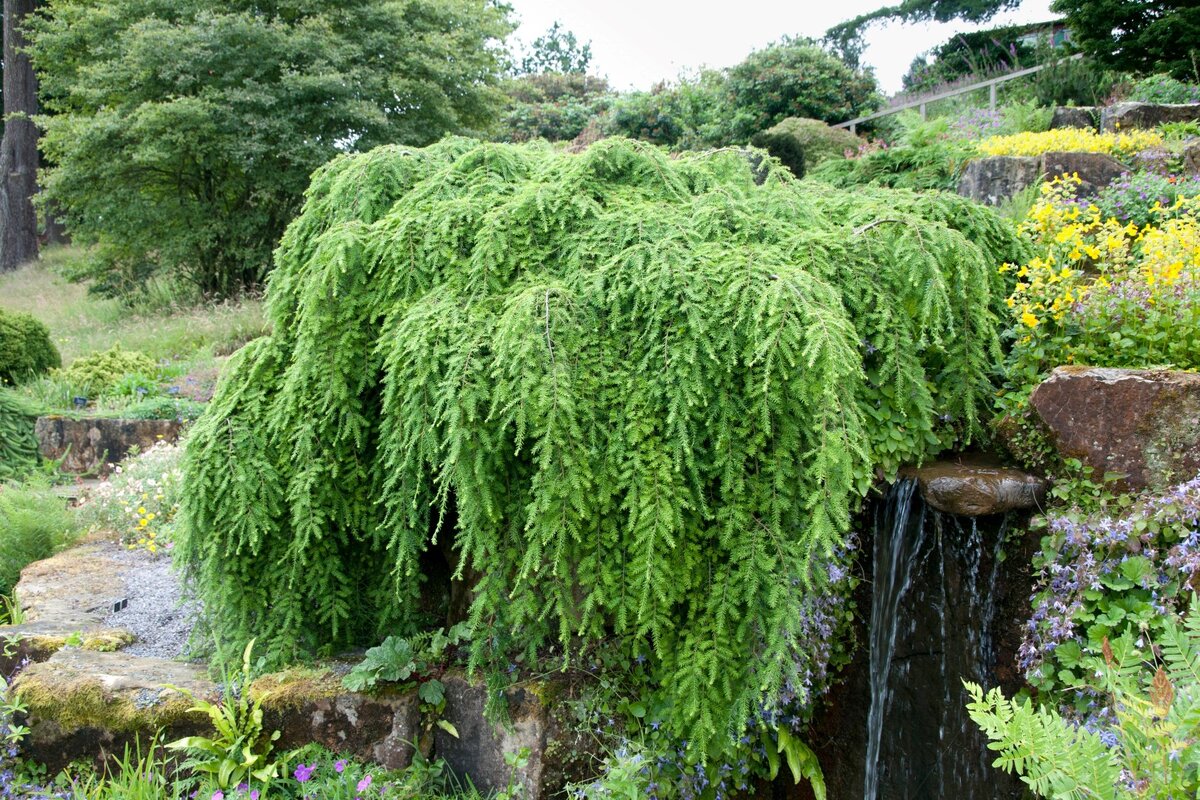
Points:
1103	575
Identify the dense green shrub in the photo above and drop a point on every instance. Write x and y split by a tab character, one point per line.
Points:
795	78
815	141
18	444
926	156
103	372
1164	89
180	134
34	523
690	113
640	396
25	348
553	106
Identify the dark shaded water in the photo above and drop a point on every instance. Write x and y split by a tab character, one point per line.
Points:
939	600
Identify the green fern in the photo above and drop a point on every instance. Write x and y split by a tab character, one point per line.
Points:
640	395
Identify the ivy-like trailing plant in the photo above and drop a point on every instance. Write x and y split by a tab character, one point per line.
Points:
639	396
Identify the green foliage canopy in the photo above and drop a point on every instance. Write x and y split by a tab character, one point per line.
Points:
1137	36
795	78
639	395
554	106
846	37
182	134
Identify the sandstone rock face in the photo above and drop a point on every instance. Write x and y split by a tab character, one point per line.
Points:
312	706
1081	117
976	487
556	753
88	445
1143	424
993	180
1126	116
1095	170
1191	159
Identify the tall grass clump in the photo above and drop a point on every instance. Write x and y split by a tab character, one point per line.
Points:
639	396
34	524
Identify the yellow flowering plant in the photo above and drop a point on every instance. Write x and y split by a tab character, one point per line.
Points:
1101	292
139	500
1121	144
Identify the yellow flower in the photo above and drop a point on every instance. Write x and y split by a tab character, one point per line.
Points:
152	547
150	515
1030	319
141	510
143	523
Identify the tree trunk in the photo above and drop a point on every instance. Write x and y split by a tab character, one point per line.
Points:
18	148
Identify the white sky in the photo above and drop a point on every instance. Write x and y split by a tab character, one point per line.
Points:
638	42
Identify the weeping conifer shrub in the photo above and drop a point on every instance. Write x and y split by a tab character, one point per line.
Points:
640	395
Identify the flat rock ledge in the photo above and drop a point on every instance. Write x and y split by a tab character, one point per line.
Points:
1141	424
89	445
977	487
87	699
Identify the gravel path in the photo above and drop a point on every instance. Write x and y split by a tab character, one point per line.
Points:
157	613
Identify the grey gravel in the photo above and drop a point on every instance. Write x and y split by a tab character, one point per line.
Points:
159	614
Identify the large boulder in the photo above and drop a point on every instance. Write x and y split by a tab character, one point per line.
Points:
539	726
1095	170
1141	424
90	444
1191	159
1075	117
993	180
1126	116
976	487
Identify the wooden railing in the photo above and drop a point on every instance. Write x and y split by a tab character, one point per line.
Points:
922	102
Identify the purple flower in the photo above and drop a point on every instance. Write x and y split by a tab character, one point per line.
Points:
364	784
303	773
339	766
218	795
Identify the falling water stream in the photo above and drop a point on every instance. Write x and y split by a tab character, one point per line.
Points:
931	627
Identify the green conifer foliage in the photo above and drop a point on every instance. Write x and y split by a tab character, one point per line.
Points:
641	396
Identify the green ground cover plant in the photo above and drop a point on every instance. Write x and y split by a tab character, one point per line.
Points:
18	445
640	396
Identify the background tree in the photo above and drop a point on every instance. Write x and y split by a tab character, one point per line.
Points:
19	146
556	50
846	37
795	78
1136	35
184	131
550	95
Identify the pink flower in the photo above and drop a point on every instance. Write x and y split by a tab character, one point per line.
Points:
218	795
364	784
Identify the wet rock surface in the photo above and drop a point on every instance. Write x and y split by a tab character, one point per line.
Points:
1141	424
1127	116
90	444
977	486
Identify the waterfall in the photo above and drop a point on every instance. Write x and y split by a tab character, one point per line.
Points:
895	554
933	604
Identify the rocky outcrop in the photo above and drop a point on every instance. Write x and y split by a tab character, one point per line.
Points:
1075	117
537	727
1095	170
1191	159
993	180
1141	424
87	704
90	444
1127	116
977	487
